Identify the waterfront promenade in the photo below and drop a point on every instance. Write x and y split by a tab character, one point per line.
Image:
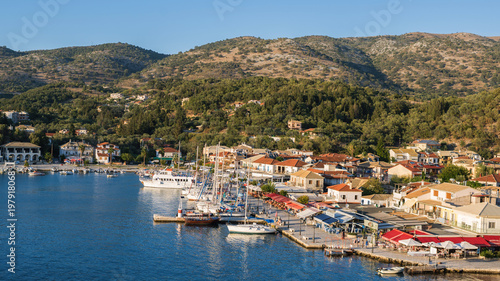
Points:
310	237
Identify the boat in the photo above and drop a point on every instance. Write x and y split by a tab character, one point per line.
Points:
66	172
36	173
249	228
169	179
201	220
111	175
391	270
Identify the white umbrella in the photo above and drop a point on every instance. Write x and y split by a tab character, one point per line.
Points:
410	242
467	246
448	245
431	244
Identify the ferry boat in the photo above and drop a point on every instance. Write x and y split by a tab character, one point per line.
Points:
169	179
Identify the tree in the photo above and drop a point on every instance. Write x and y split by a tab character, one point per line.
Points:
48	157
381	151
454	172
268	188
373	186
110	152
81	148
482	170
127	157
304	199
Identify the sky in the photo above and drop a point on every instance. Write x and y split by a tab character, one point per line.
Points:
169	26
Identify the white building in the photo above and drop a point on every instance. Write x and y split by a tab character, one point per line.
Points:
447	191
17	117
481	218
102	152
21	151
344	193
71	151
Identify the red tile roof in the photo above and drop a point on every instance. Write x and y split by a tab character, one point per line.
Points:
266	160
488	178
343	187
293	163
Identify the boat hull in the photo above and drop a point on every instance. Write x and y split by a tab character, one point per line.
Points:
201	221
250	229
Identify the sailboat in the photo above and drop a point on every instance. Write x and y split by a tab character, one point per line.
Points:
249	228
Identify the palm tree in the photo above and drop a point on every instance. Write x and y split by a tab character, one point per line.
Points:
110	152
81	148
144	153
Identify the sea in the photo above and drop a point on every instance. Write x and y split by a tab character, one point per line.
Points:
90	227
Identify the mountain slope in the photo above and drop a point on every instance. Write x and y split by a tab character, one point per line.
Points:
95	64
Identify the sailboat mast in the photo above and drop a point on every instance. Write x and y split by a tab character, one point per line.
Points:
246	197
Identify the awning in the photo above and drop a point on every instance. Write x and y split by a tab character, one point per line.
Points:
322	218
477	241
396	235
418	232
494	240
427	239
308	212
295	205
455	240
410	242
409	203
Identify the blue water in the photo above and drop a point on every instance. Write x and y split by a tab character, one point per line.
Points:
89	227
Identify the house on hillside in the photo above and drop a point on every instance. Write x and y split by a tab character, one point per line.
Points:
403	171
294	125
73	154
290	166
307	179
489	180
425	145
344	193
103	155
402	154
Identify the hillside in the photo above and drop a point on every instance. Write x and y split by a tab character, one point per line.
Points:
20	71
421	63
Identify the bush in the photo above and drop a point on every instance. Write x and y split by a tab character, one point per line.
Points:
303	199
268	188
487	254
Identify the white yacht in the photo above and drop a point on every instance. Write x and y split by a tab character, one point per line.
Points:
169	179
250	229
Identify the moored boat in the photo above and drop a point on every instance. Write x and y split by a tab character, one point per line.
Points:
36	173
391	270
201	220
169	179
250	229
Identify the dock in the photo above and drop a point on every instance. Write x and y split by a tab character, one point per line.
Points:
425	269
167	219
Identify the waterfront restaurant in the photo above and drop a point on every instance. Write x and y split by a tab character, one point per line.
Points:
21	151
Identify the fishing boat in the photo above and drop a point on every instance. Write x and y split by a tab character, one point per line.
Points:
200	220
36	173
169	179
391	270
111	175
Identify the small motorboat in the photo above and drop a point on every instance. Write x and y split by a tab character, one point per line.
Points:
36	173
391	270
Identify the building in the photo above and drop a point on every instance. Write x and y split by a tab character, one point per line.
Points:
425	145
102	152
491	180
27	128
81	132
402	154
403	171
266	164
21	151
307	179
72	152
290	166
481	218
344	193
294	125
116	96
17	117
447	191
428	158
377	200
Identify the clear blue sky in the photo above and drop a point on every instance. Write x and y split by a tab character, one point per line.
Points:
169	26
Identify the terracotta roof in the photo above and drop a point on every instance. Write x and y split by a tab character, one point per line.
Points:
449	187
489	178
343	187
292	163
266	160
496	159
417	193
18	144
306	174
169	149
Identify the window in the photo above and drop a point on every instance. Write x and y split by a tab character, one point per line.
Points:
343	197
436	193
310	181
491	224
355	197
448	195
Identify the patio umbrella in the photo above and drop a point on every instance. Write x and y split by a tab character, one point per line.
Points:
467	246
431	244
410	243
448	245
